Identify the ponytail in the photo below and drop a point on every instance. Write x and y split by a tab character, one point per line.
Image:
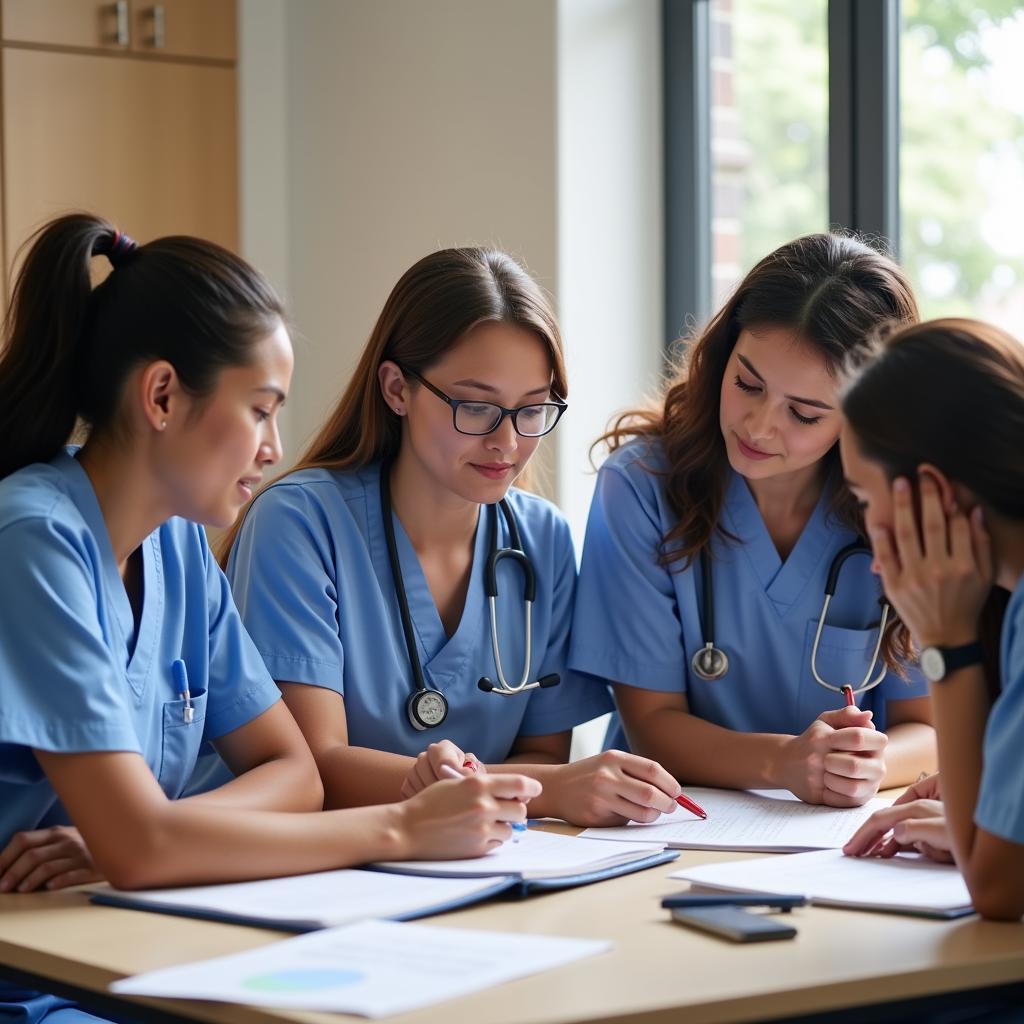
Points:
70	348
39	400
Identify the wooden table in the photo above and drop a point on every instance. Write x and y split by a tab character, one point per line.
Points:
657	972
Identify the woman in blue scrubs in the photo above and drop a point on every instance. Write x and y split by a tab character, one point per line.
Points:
462	376
740	461
121	651
940	411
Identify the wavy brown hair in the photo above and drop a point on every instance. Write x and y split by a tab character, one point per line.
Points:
833	291
950	393
434	305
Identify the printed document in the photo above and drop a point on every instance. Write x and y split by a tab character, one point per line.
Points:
765	821
907	883
375	968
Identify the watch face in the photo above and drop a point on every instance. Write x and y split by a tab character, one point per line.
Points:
933	665
431	707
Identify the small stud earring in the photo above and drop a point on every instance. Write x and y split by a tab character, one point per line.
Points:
163	424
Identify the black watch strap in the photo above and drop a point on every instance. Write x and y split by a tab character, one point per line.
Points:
938	662
962	656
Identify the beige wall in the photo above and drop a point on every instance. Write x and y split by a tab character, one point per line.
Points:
411	126
374	131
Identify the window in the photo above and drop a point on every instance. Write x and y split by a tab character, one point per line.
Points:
769	130
904	121
962	158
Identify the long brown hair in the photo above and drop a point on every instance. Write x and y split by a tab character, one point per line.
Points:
69	347
950	393
433	306
833	291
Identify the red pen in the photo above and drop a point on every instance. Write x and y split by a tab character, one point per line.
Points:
691	805
847	691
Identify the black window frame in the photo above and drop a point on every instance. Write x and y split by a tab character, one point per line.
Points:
863	140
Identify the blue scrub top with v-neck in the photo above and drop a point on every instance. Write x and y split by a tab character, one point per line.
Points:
76	674
637	622
313	583
1000	807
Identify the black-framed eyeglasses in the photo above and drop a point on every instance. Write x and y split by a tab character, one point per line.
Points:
476	418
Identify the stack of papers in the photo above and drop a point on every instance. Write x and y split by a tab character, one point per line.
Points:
763	821
376	968
904	884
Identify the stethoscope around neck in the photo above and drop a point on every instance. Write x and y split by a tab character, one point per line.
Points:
712	663
426	707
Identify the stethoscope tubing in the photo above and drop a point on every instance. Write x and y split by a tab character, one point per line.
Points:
712	663
496	554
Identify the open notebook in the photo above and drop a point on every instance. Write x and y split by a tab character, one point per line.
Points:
760	821
304	903
904	884
544	860
399	891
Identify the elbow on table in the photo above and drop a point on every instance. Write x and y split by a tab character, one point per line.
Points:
998	899
142	856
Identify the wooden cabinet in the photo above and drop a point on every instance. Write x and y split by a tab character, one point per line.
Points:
185	28
199	29
143	135
86	23
148	144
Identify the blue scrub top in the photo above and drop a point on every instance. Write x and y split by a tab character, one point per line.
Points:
313	583
1000	807
76	675
637	622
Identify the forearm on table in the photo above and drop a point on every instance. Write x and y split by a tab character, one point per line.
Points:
193	844
357	776
280	784
698	752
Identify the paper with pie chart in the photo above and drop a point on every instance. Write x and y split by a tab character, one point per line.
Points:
374	968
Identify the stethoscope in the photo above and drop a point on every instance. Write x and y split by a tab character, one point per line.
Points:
427	707
712	663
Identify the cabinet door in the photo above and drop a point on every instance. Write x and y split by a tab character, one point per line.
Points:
102	24
151	145
185	28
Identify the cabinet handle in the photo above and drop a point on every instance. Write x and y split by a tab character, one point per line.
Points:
159	37
121	32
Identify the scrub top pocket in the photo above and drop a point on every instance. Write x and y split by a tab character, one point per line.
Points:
180	743
843	658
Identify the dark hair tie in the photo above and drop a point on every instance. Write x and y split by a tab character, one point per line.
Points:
120	246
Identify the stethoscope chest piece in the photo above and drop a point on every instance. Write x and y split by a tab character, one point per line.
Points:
710	663
426	709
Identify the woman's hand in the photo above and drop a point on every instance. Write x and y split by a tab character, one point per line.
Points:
938	577
927	788
47	858
916	821
612	788
463	817
430	765
839	759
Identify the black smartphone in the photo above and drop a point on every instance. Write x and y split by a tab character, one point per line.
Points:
734	923
689	898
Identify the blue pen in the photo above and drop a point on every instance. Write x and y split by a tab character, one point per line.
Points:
180	674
